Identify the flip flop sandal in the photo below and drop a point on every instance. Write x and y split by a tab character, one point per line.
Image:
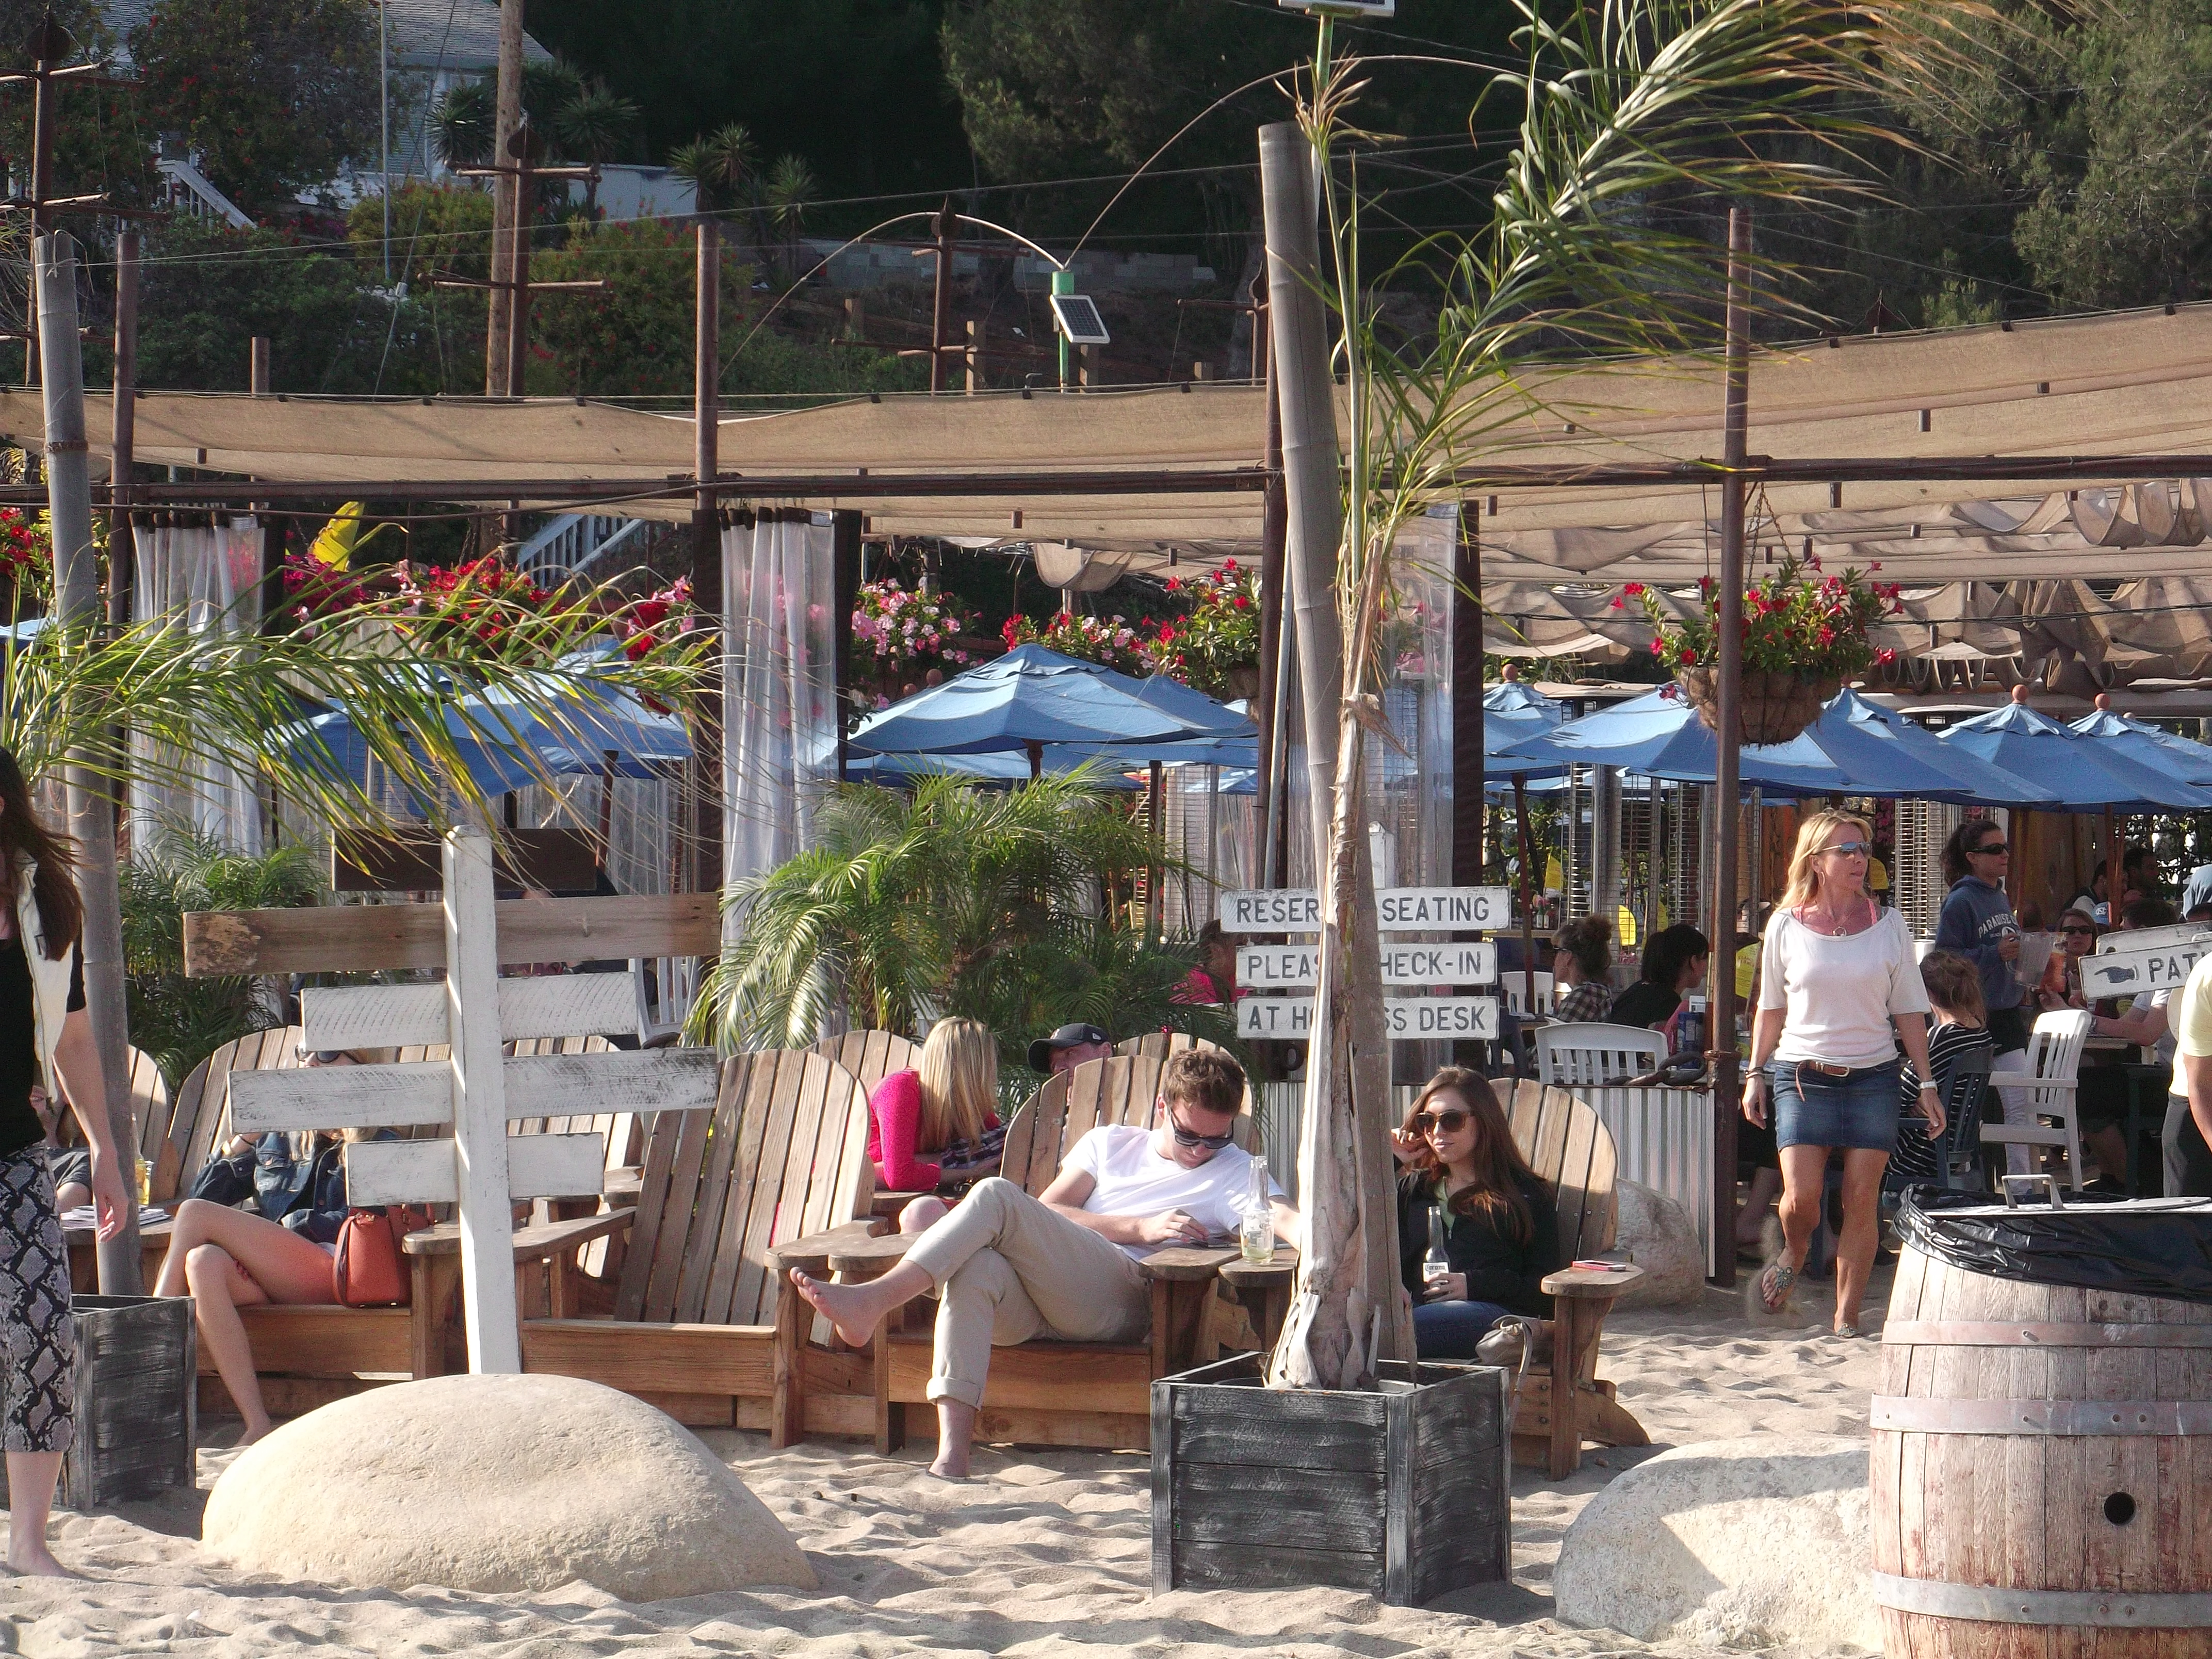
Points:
1849	1331
1774	1285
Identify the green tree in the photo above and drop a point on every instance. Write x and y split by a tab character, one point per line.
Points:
594	127
273	95
435	227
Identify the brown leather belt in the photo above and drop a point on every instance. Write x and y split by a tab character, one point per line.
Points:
1824	1068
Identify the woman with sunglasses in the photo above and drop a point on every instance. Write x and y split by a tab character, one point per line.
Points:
1976	922
1455	1153
2061	985
1835	972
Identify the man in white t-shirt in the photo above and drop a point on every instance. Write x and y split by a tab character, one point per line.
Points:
1007	1267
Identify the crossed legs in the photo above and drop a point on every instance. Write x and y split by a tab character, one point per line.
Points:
227	1260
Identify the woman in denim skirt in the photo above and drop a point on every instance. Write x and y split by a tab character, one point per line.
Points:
1837	988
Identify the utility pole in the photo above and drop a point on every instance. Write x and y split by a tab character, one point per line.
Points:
123	435
91	807
709	591
505	199
523	147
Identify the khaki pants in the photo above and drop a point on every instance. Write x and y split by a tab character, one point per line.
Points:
1007	1269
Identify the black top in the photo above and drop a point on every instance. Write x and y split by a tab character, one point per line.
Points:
1644	1005
1498	1269
19	1045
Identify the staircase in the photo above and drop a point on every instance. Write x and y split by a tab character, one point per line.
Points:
571	542
189	191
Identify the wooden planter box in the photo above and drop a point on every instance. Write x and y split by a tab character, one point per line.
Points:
1404	1493
137	1392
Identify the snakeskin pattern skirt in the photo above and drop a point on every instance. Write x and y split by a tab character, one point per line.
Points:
39	1412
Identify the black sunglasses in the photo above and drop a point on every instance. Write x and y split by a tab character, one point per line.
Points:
1450	1120
1192	1138
1991	848
2077	928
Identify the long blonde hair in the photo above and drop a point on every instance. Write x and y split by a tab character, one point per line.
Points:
1804	884
960	1071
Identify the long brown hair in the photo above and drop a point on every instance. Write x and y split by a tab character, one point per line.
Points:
1500	1171
53	882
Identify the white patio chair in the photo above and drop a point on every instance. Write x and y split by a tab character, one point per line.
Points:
1590	1055
2049	1079
1516	985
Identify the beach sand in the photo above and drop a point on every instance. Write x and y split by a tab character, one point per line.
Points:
1043	1553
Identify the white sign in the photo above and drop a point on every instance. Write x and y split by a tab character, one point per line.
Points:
1409	1019
1458	962
2153	968
1270	910
2128	940
1275	965
1416	909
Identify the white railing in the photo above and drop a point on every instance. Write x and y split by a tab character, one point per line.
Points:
572	542
1663	1139
187	189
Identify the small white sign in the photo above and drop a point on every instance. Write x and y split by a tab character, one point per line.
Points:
1270	910
1415	909
1275	965
2127	973
1458	963
2129	941
1409	1019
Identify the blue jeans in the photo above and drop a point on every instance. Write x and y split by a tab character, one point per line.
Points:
1449	1330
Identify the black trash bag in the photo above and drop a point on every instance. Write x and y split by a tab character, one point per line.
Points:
2141	1246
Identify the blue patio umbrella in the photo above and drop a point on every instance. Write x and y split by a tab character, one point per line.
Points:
1659	735
2083	773
1032	697
1886	754
2139	740
1516	701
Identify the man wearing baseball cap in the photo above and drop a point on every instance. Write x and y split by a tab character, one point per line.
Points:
1068	1047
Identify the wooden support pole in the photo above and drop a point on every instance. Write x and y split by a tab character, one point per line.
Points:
1528	891
1727	774
479	1093
1468	746
705	769
91	804
845	524
975	355
940	313
1272	715
505	193
123	433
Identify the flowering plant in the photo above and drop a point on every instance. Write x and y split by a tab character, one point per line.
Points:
313	588
480	599
1109	641
642	624
27	554
1814	626
907	630
1220	636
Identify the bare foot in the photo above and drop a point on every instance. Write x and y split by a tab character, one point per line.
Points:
251	1434
853	1309
36	1561
947	1468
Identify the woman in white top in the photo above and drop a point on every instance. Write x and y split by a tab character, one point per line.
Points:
1835	970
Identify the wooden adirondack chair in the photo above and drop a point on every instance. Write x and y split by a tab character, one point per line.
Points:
871	1056
704	1325
150	1112
1159	1045
1048	1393
1566	1143
202	1106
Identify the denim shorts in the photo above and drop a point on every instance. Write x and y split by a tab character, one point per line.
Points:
1811	1109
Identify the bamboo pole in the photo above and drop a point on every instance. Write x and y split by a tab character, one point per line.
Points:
123	433
1726	770
91	806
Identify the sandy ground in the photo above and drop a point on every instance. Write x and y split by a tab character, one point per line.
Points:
1043	1553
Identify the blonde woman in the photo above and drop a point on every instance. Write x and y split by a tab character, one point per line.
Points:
1835	972
943	1109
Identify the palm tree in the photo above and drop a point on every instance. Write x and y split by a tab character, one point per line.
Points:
592	127
1624	109
467	123
791	190
548	88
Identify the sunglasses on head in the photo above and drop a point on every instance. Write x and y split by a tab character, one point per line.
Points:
1450	1120
1192	1138
1851	849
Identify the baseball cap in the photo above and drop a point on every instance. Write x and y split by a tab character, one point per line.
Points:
1068	1037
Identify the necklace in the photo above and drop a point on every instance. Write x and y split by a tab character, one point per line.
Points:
1835	928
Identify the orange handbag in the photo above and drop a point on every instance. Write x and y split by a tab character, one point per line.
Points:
367	1268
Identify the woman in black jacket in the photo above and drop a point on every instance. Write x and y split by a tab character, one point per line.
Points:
1455	1153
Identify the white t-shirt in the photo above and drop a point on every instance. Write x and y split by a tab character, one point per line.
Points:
1129	1178
2162	1051
1839	993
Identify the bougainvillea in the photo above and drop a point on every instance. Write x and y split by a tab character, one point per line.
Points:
1219	638
1816	625
313	588
1109	641
903	629
481	597
26	552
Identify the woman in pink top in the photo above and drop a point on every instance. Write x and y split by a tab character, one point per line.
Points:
941	1110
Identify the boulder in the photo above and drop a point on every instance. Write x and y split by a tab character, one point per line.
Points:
1661	1238
493	1484
1756	1543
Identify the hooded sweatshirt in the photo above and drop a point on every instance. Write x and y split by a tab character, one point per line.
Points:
1975	918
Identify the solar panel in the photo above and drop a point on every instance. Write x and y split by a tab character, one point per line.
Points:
1345	8
1079	319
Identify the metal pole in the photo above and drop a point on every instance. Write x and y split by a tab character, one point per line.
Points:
384	124
91	807
518	266
1156	906
1726	774
941	312
708	588
506	194
1528	891
1063	282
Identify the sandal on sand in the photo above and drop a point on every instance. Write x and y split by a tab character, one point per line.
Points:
1774	1285
1849	1330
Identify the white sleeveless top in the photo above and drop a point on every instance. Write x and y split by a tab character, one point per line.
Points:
1839	994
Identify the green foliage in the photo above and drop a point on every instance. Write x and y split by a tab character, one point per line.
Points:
181	1021
102	142
953	900
723	166
441	228
272	95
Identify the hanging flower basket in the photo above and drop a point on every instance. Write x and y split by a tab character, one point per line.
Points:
1775	706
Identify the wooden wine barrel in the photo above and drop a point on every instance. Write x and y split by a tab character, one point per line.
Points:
2042	1470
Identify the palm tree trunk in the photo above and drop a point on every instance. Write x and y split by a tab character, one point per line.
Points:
1350	1310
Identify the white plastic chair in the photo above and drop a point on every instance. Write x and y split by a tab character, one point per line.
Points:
1516	984
2047	1082
1590	1055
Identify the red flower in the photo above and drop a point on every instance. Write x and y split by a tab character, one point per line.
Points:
1634	590
1688	657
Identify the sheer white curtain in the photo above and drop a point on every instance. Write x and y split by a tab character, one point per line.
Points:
191	576
779	674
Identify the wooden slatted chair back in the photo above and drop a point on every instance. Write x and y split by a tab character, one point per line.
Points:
871	1056
1159	1045
1567	1143
150	1108
782	1153
625	1130
1071	1104
201	1112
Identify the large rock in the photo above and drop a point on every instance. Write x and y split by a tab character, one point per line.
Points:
496	1483
1757	1542
1661	1238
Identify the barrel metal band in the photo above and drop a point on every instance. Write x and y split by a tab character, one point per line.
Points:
2099	1609
1980	1333
2084	1419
